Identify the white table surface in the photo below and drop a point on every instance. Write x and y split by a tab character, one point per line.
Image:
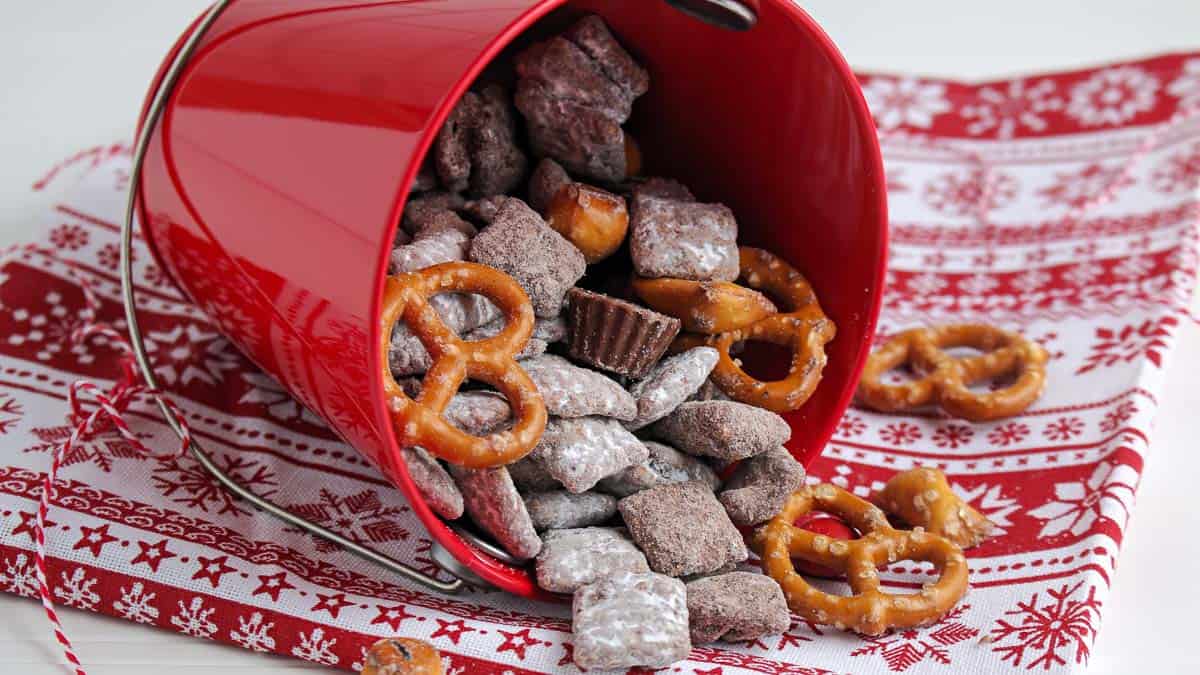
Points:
73	73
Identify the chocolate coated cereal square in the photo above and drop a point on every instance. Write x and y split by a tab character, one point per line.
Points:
494	505
726	430
760	485
682	529
521	244
736	607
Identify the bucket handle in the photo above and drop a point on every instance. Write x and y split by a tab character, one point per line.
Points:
153	114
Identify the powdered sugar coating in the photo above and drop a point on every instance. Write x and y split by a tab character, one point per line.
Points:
580	451
592	36
435	485
670	383
664	465
684	240
571	391
443	237
760	485
736	607
530	476
478	412
521	244
571	558
630	619
494	505
560	509
460	312
451	155
498	164
722	429
682	529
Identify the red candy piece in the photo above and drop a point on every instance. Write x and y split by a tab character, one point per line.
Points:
830	526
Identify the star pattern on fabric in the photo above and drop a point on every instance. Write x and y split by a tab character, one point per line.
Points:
272	585
331	603
392	615
93	539
213	569
152	554
454	630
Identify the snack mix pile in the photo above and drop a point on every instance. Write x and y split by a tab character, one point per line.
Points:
608	432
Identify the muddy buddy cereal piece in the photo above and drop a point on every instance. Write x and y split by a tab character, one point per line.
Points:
545	332
402	656
483	211
630	619
664	465
736	607
497	164
561	509
670	383
723	429
520	244
684	240
548	178
434	483
494	505
476	148
529	476
441	237
616	335
709	391
580	451
421	209
760	485
461	313
575	91
571	391
682	529
478	412
426	178
584	140
661	188
591	35
571	558
451	156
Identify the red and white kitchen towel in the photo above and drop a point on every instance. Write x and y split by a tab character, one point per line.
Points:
1062	205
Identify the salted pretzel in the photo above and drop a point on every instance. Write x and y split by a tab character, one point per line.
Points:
800	325
402	656
922	497
945	378
708	307
869	610
419	421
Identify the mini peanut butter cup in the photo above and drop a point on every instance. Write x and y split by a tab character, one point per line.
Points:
616	335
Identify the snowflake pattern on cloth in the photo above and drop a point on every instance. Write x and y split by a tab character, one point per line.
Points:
1056	234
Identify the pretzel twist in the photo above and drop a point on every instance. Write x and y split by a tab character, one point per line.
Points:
945	378
800	326
922	497
491	360
869	611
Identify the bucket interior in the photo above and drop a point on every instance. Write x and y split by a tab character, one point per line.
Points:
769	122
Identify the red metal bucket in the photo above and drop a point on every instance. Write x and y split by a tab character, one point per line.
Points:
273	184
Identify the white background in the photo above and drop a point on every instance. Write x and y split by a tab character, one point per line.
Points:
73	73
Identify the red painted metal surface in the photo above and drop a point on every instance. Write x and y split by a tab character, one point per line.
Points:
273	185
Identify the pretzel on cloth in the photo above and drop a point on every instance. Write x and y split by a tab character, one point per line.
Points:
946	378
800	325
869	610
491	360
922	497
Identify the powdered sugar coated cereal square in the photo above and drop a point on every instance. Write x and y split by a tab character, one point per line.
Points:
684	240
630	619
572	558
